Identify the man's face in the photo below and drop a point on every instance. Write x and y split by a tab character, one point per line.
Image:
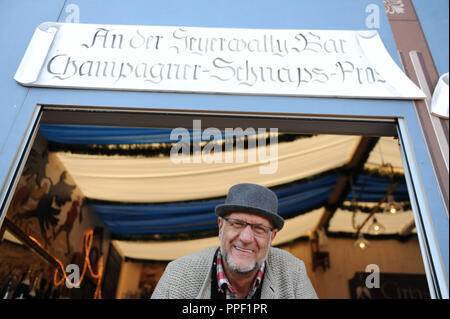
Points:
243	251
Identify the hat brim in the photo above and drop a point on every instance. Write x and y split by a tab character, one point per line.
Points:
224	209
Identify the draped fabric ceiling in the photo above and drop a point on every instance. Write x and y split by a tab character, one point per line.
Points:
139	195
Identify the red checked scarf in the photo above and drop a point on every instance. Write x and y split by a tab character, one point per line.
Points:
225	285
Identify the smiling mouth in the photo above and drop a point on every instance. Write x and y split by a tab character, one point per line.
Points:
248	251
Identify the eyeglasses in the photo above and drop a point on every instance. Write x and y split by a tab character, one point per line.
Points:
238	225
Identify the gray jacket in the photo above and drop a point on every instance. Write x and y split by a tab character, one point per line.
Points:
189	277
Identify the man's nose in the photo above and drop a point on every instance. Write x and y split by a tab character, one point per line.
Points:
246	234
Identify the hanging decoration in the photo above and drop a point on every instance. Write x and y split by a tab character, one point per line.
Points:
392	207
376	228
87	244
361	242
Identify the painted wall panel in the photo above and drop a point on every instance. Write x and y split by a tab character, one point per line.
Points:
18	21
433	17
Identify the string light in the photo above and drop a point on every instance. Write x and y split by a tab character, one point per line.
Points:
391	206
376	228
362	245
361	242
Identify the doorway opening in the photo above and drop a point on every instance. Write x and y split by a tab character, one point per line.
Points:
114	185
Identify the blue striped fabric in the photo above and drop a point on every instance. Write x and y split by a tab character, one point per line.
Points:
107	135
166	218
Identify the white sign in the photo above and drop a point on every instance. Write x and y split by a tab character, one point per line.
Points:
440	101
319	63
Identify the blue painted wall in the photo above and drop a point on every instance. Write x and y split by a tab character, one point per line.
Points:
433	16
19	19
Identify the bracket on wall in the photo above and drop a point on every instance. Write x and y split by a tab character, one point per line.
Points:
319	258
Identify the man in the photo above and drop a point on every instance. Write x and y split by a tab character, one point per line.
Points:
244	266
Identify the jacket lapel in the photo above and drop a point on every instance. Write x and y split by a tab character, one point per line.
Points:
205	291
269	290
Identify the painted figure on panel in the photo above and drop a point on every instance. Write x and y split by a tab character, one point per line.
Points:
39	198
72	214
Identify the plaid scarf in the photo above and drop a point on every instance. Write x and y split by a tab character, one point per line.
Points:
225	285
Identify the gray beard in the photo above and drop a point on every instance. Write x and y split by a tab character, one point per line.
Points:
240	270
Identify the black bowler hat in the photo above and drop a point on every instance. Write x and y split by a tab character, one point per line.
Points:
252	198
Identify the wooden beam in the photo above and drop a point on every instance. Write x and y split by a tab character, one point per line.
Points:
351	170
30	242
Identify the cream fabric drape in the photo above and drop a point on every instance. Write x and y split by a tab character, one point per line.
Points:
149	179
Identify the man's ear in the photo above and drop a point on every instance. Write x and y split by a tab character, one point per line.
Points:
274	233
220	223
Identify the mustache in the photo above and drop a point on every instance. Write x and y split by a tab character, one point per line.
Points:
240	270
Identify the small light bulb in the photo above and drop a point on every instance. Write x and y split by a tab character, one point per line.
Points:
361	243
393	210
